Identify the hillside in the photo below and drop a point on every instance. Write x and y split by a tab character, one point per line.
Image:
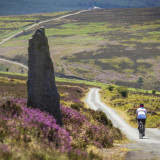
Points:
86	134
15	7
119	46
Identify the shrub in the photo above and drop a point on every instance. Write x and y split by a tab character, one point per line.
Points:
140	80
102	118
153	91
78	154
5	152
10	108
76	106
117	134
3	132
38	156
123	91
110	88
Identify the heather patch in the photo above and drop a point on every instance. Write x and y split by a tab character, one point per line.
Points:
88	133
25	126
23	121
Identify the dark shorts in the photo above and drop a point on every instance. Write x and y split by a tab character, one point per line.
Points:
143	121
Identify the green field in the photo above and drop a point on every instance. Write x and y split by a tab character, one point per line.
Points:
113	46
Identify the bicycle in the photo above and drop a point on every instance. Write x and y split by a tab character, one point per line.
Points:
141	129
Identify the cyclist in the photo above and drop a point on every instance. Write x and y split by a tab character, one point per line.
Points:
141	116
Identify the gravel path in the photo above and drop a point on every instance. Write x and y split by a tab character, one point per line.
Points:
13	62
146	148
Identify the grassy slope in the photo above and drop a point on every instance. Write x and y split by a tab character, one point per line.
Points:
116	46
12	85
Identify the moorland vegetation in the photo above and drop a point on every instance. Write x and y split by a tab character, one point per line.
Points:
117	46
28	133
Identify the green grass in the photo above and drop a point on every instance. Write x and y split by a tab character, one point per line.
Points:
94	83
10	25
9	32
14	74
14	43
82	29
153	33
79	28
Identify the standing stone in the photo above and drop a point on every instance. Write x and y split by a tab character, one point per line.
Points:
42	91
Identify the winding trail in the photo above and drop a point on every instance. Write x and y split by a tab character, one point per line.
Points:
30	27
35	25
13	62
149	144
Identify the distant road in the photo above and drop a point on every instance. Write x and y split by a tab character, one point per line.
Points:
32	26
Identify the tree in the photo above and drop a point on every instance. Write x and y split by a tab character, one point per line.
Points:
110	88
7	69
140	82
123	91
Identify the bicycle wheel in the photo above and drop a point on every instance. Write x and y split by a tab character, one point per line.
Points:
141	130
140	135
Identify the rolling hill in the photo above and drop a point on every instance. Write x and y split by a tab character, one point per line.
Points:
119	46
16	7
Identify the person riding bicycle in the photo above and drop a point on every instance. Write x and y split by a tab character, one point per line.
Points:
141	116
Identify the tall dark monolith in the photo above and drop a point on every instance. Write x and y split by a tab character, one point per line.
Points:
42	91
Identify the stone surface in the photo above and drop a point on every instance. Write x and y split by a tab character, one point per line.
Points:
42	91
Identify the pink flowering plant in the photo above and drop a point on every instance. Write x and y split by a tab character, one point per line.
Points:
83	131
35	134
21	120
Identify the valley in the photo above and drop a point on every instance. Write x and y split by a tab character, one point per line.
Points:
117	46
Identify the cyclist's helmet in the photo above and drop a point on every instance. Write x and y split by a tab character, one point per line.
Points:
141	105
